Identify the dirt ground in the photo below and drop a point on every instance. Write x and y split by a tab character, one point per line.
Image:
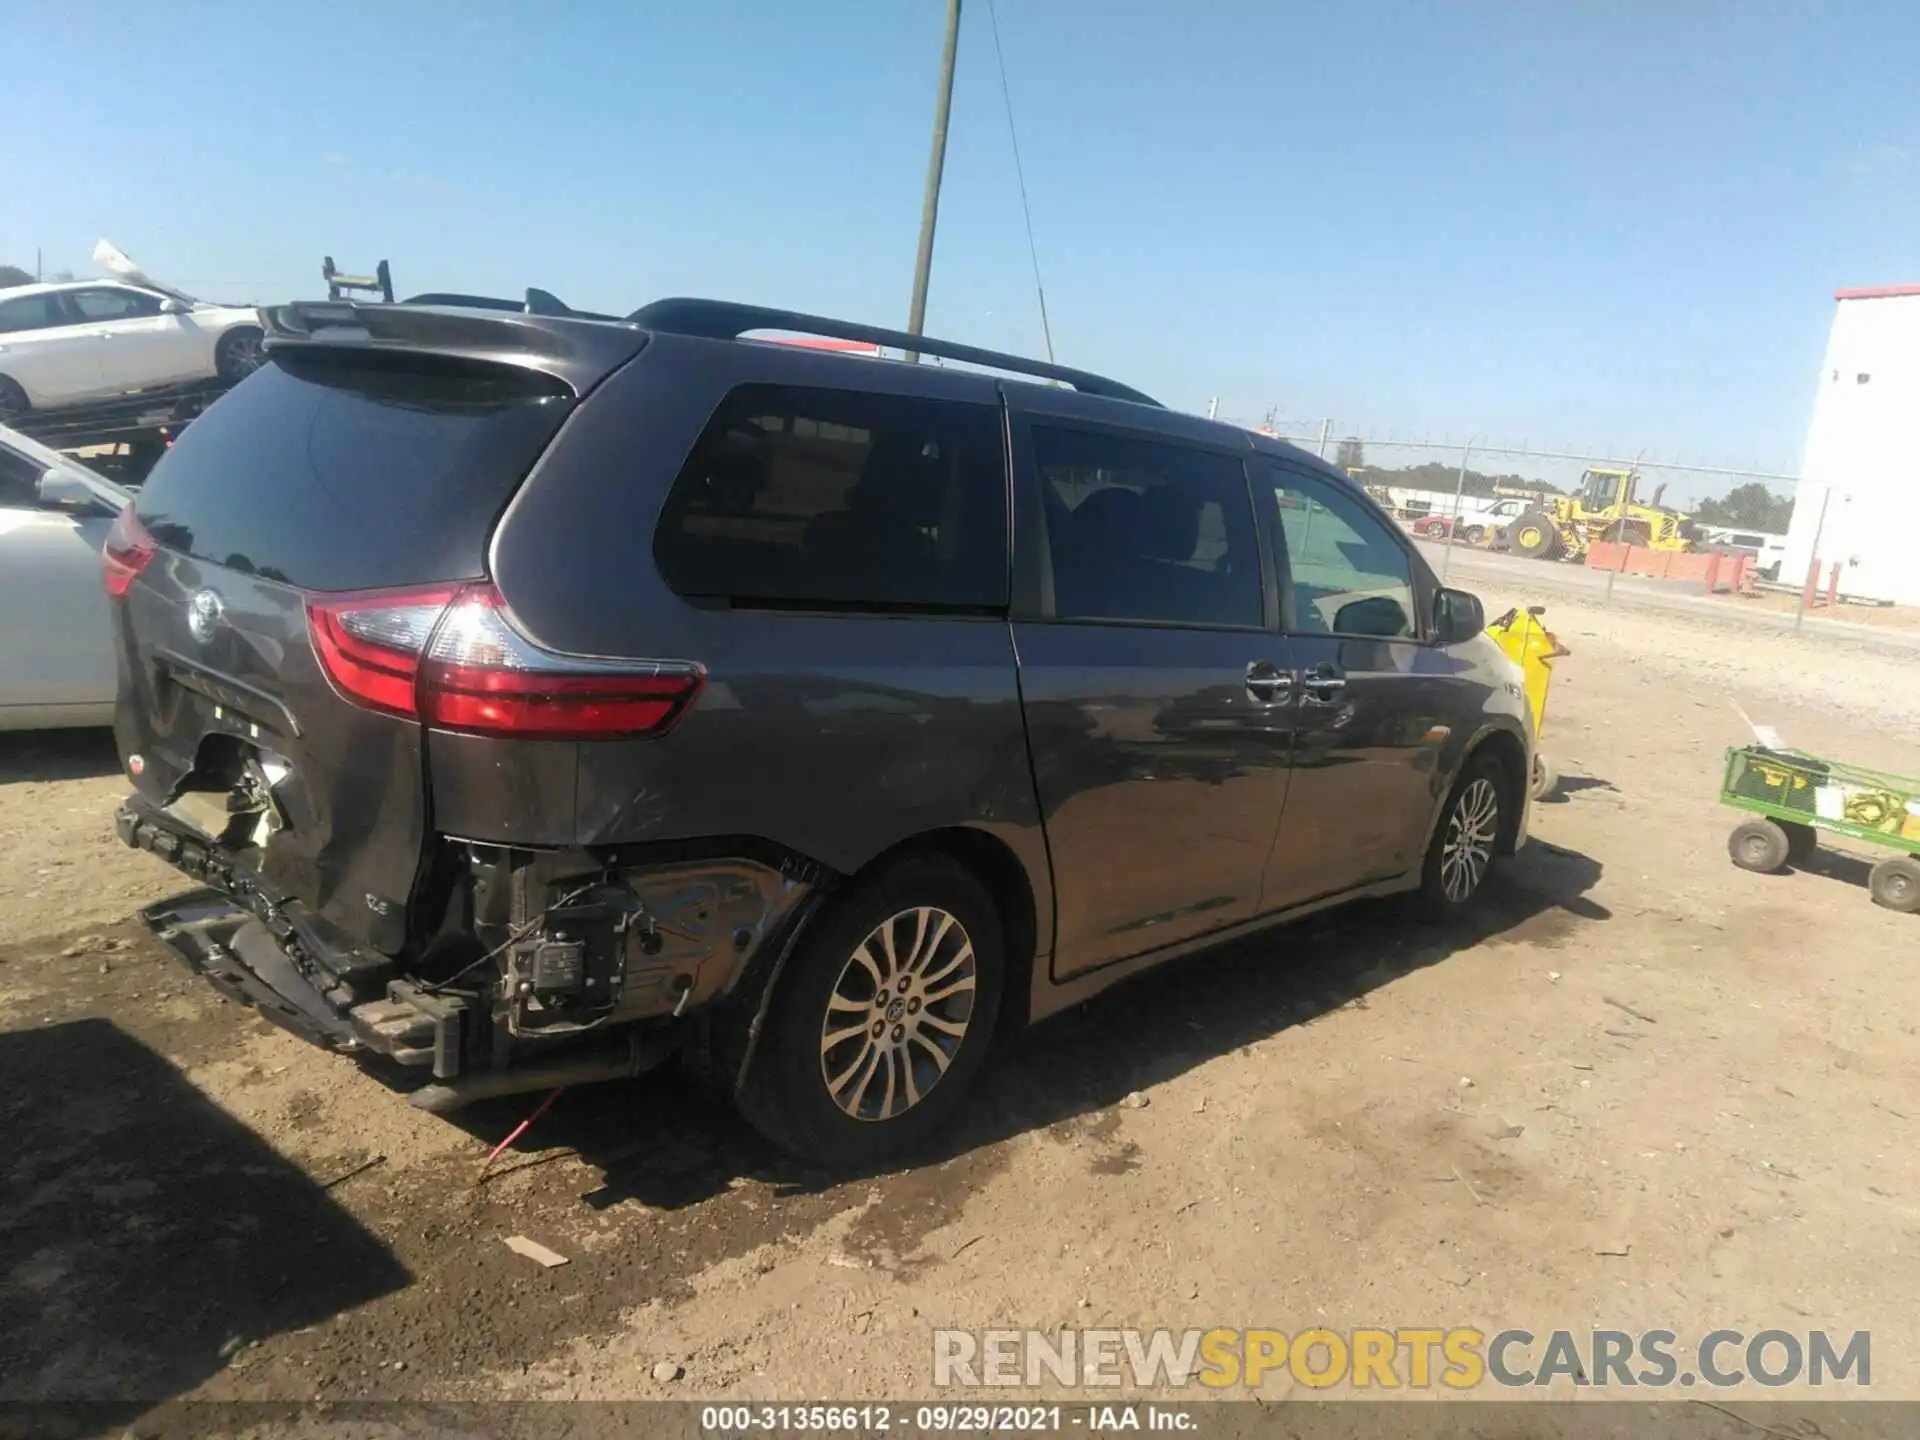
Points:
1647	1090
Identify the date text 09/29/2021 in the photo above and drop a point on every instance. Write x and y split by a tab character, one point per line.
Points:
962	1419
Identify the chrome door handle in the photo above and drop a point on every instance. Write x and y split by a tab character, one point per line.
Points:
1323	685
1268	683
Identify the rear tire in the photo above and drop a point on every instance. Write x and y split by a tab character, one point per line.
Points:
1895	883
1802	841
1476	535
13	401
1534	536
238	354
1758	845
882	1019
1466	843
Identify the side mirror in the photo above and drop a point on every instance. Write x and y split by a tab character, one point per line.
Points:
69	492
171	306
1457	616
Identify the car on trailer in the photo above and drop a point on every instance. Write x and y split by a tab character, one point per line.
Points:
70	346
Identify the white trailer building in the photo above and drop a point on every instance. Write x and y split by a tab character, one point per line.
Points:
1859	497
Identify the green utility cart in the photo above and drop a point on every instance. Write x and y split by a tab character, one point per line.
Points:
1793	796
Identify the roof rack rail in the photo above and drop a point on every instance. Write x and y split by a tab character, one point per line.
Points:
723	320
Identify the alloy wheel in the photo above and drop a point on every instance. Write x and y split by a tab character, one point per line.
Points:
245	354
1472	830
898	1013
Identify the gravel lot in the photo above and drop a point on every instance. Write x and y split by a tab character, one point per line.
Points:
1649	1090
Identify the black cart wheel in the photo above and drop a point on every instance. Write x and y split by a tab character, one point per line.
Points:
1546	775
1802	841
1895	883
1759	845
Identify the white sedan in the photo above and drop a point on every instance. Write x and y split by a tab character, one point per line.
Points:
85	341
56	648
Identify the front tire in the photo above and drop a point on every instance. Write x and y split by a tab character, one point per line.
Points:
883	1018
239	354
1466	843
1759	845
1534	536
13	401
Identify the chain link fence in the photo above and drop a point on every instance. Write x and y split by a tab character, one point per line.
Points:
1470	492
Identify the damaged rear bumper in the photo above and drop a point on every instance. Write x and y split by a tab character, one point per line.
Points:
258	948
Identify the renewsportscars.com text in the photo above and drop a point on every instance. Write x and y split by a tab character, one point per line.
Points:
1418	1358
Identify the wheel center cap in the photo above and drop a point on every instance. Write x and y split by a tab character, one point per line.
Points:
896	1007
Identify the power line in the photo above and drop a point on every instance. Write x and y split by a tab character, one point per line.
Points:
1020	174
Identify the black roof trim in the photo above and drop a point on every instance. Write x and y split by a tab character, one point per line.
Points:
724	320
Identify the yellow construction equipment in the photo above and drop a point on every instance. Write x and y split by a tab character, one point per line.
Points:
1605	507
1534	648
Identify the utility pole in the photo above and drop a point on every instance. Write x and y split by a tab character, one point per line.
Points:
936	164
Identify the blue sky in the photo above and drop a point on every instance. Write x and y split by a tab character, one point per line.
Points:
1583	225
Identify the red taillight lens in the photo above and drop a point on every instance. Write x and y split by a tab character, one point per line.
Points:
370	645
452	660
128	550
482	676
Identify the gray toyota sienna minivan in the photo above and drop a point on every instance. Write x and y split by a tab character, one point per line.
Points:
533	696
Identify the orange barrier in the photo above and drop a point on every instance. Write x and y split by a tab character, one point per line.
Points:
1712	570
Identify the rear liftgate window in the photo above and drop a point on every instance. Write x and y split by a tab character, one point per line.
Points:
351	472
831	499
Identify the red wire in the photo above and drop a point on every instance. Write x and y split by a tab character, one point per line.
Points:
522	1128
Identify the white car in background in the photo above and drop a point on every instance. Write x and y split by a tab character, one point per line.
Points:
79	342
56	643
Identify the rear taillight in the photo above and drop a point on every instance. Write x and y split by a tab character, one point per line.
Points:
127	551
370	644
453	660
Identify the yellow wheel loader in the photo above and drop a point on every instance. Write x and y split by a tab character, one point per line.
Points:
1605	507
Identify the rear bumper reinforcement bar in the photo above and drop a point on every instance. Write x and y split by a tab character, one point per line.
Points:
251	945
236	954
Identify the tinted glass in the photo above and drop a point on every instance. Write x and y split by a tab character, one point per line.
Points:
19	479
835	498
109	303
334	477
1349	575
1148	532
30	312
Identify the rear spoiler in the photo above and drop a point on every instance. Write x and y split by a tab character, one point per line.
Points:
580	356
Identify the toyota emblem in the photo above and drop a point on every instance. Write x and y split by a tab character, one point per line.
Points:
205	611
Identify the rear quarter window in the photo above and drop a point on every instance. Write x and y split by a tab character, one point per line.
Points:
340	473
828	499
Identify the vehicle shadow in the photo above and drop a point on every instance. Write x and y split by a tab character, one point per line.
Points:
57	755
1573	784
146	1236
1145	1031
1838	865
